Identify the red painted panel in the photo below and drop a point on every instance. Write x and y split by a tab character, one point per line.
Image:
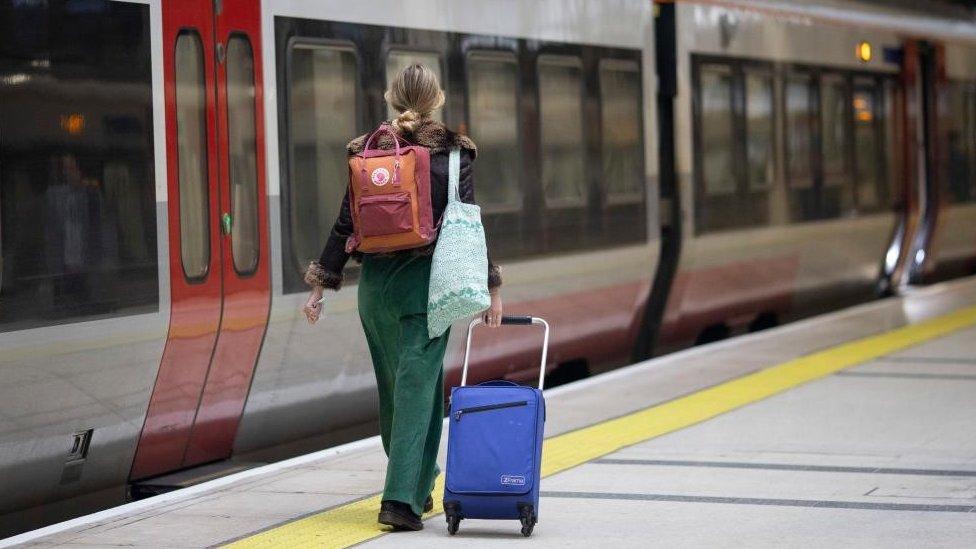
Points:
217	325
247	299
195	308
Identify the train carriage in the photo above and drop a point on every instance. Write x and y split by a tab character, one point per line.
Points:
651	176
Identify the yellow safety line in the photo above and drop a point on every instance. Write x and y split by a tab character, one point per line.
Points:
356	522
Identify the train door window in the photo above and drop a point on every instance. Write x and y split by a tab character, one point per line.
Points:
716	124
561	113
620	121
398	60
493	124
191	144
321	90
77	191
799	130
242	144
960	158
759	129
868	154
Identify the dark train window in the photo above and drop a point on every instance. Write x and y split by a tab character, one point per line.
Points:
561	117
892	140
716	126
397	60
760	124
493	125
77	191
869	154
833	129
321	90
799	130
620	120
242	144
961	142
191	143
734	122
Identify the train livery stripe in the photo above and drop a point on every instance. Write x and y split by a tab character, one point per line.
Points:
356	522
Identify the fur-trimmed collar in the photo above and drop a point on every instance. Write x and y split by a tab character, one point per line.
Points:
428	133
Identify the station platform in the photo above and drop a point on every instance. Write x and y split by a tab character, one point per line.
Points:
856	428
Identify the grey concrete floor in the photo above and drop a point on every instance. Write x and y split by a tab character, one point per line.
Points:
882	455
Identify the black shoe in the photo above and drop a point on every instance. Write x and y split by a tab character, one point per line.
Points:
399	515
428	504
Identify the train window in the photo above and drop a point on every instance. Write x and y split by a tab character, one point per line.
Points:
868	158
398	60
961	142
716	126
322	84
620	120
191	144
892	141
834	130
493	124
77	190
759	129
799	130
561	114
242	144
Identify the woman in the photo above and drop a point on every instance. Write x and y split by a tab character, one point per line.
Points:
393	307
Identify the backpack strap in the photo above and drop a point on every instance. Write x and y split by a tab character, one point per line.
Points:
454	175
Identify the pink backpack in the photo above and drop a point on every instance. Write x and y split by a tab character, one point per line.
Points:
389	195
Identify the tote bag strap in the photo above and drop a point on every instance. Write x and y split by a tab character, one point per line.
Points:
454	175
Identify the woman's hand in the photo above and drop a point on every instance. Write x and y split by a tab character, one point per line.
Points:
493	316
313	309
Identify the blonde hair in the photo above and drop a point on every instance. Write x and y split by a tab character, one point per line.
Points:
414	92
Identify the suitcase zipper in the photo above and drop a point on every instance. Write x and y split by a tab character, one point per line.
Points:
487	407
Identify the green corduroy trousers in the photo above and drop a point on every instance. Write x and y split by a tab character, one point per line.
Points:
409	369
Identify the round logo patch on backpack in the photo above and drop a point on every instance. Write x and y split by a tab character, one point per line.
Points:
380	176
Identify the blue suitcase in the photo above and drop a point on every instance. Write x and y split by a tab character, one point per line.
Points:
494	445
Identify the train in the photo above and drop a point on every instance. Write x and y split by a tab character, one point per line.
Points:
652	175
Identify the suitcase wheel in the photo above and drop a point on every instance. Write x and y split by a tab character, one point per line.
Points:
528	518
453	513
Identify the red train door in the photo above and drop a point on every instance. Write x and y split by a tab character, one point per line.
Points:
218	234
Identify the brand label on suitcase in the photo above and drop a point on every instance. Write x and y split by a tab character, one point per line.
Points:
513	480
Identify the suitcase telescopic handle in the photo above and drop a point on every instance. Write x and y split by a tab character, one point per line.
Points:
510	320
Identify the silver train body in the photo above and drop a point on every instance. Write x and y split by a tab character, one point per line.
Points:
623	272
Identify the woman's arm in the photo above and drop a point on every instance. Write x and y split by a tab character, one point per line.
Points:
327	271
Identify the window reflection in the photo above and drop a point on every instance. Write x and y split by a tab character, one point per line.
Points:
76	166
242	142
191	144
834	129
716	126
321	91
868	162
561	113
620	116
493	114
799	127
759	130
962	140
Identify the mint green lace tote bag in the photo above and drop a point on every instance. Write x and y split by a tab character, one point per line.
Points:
459	270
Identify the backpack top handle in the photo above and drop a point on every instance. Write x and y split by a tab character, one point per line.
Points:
388	129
